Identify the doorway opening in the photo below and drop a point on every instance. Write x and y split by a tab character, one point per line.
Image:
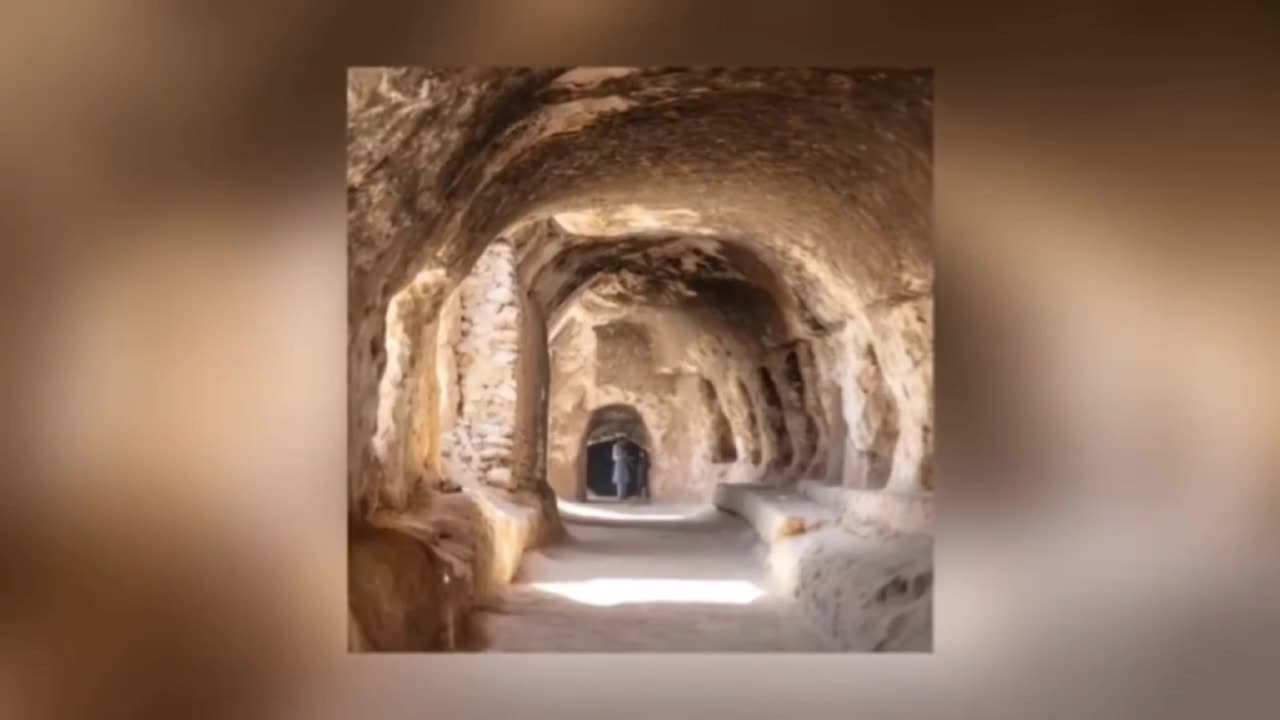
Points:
602	469
615	428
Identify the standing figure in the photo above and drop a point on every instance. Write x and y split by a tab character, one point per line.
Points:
621	469
642	473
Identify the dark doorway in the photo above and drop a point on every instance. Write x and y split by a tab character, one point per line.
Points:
600	466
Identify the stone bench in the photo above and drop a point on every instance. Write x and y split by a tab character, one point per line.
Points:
899	512
868	587
773	512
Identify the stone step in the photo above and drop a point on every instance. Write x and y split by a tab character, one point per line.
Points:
774	512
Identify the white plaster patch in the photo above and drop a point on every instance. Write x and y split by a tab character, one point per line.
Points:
631	219
583	78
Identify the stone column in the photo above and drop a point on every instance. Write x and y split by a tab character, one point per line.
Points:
483	440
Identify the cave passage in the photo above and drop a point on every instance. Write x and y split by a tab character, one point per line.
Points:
726	275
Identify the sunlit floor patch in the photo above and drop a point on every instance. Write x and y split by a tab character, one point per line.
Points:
631	513
607	592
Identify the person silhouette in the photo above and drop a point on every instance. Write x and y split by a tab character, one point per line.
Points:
642	473
621	469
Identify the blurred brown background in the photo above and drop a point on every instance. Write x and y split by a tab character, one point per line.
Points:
1107	213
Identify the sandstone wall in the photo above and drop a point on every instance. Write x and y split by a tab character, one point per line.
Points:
694	376
867	411
481	445
886	399
575	396
905	347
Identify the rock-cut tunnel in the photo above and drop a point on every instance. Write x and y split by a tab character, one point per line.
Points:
728	272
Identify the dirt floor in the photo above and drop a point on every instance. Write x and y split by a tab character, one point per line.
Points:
634	577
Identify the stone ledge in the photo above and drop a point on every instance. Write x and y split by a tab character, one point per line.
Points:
774	513
479	532
899	512
869	593
514	529
870	589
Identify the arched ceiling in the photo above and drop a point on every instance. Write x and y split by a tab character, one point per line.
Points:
615	421
823	173
767	204
652	270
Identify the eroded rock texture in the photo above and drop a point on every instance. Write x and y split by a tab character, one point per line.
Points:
481	441
731	267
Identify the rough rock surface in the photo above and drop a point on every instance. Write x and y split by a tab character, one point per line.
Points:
481	441
867	586
398	593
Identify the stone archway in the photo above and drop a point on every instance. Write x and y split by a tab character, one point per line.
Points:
608	424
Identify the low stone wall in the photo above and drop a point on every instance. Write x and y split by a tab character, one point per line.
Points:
514	528
416	575
869	588
775	514
870	593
